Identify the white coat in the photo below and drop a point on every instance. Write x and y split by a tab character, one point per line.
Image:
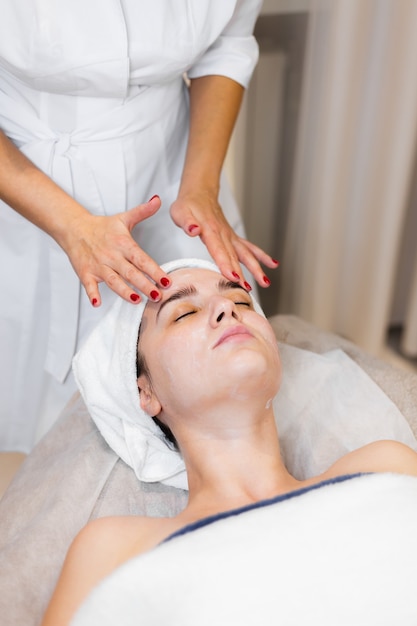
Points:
92	91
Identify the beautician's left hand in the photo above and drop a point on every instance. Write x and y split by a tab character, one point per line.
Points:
199	214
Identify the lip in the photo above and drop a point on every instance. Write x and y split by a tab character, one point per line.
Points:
233	331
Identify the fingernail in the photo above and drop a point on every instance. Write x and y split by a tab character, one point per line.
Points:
247	285
266	280
134	297
192	227
154	294
275	261
155	196
164	281
94	301
236	275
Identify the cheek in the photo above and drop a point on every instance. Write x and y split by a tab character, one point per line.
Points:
276	359
273	357
266	330
180	362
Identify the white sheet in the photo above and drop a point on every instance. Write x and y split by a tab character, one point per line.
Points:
344	554
328	406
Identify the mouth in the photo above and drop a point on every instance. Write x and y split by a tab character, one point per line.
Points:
234	333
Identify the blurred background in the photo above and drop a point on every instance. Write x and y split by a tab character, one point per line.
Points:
323	165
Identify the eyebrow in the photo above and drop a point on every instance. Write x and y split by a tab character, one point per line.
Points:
190	290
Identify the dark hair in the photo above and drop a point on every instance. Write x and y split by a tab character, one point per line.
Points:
142	368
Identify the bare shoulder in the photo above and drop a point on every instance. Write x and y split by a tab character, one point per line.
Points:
114	540
379	456
106	537
99	548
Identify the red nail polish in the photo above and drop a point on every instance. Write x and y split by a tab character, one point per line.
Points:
247	285
275	261
154	294
94	301
134	297
266	280
164	281
155	196
192	227
236	275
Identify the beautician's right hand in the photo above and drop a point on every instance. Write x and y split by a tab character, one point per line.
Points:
102	249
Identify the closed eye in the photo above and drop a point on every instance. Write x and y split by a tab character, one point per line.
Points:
192	311
180	317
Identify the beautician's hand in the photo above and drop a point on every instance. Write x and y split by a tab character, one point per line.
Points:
101	249
199	214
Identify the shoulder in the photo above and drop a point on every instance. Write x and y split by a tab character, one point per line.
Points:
98	549
110	541
379	456
121	529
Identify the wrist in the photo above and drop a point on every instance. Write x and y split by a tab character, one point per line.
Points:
69	227
202	184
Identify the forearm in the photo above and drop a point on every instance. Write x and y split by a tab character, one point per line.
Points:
214	106
34	195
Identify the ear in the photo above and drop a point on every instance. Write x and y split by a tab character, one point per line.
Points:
148	400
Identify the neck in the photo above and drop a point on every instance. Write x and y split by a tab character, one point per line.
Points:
235	462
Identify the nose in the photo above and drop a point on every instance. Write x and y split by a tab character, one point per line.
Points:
222	309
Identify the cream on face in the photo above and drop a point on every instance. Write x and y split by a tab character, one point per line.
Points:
204	342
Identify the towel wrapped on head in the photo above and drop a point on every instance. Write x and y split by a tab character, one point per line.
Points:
105	371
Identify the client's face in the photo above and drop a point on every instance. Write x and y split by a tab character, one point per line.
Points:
204	342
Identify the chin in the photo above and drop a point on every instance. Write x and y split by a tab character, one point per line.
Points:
254	374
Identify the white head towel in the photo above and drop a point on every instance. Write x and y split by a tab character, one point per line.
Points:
105	372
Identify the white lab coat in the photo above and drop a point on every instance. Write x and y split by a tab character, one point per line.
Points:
92	91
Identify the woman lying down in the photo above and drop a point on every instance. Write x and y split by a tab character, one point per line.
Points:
253	545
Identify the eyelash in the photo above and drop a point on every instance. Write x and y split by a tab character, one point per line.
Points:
184	315
195	311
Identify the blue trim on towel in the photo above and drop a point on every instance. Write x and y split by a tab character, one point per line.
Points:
257	505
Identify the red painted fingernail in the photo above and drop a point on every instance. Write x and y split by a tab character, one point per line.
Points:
155	196
94	301
134	297
154	294
266	280
192	227
164	281
236	275
247	285
275	261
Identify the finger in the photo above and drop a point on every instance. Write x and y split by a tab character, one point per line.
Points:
185	219
116	283
92	291
246	254
222	250
228	251
140	212
190	225
260	254
137	263
192	229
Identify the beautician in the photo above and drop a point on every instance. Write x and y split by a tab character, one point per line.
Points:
96	118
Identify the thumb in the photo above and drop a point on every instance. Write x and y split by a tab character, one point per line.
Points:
141	212
183	217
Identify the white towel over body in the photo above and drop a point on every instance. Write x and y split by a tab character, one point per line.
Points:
343	554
